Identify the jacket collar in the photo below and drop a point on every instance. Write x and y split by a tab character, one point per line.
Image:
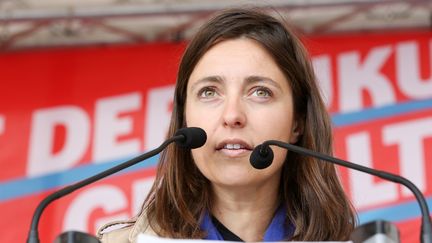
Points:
141	226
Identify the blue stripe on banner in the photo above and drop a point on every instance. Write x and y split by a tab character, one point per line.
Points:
345	119
22	187
405	211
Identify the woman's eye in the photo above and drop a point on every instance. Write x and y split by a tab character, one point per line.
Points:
207	93
262	92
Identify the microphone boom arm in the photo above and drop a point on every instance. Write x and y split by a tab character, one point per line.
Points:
426	228
33	236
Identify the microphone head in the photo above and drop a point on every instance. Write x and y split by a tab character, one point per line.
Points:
194	137
261	157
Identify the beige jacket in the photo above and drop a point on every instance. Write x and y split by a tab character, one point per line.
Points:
128	231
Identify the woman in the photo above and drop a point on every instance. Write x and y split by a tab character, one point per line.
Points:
245	78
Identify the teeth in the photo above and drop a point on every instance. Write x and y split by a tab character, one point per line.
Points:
232	146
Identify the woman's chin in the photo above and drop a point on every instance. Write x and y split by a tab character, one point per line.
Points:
236	179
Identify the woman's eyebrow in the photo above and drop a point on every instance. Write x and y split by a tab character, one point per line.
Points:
259	79
208	79
254	79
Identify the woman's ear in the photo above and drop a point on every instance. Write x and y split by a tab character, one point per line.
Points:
296	132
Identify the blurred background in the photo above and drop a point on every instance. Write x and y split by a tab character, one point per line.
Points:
48	23
87	84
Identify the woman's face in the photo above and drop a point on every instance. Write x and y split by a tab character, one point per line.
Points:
241	98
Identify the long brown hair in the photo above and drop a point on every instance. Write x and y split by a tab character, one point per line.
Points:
315	201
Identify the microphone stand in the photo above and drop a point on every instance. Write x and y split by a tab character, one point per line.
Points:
426	227
33	236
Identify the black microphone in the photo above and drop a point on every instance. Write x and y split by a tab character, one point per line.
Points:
187	138
193	137
262	157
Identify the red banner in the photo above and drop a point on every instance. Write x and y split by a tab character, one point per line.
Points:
66	114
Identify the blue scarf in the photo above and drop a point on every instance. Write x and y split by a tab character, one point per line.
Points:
277	230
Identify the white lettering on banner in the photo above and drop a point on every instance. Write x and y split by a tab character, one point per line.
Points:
158	116
140	190
322	68
355	77
110	198
366	192
109	126
409	137
2	124
41	157
408	71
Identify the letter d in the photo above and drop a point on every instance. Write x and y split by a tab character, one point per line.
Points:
42	159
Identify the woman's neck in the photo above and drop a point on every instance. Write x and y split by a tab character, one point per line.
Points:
246	212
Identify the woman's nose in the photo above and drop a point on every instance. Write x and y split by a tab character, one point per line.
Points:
234	114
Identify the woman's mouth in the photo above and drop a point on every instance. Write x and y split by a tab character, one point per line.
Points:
234	148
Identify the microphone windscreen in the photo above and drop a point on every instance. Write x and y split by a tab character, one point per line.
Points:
261	159
194	137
